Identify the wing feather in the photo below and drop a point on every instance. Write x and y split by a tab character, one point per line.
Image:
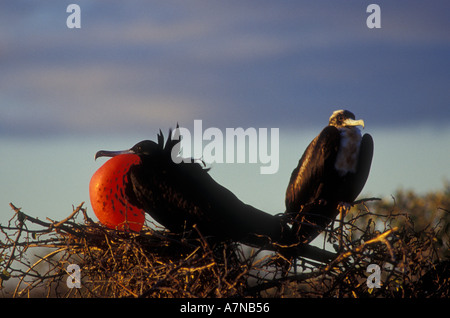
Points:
354	183
308	180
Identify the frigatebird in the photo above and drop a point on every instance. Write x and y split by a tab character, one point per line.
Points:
329	176
182	195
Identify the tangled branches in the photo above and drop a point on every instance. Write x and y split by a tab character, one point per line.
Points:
35	255
115	263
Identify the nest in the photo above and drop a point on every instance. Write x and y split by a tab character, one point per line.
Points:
73	258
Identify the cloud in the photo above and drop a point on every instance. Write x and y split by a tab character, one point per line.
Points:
231	63
89	99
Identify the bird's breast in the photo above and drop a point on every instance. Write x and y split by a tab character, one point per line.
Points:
347	157
108	196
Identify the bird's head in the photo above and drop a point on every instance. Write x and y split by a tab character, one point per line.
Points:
344	118
142	148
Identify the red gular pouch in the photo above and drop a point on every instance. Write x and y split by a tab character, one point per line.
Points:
108	197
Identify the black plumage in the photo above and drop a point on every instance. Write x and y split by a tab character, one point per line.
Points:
332	171
181	195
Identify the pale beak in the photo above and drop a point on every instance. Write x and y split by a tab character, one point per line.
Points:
352	122
106	153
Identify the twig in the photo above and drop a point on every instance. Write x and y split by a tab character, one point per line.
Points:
379	238
364	200
34	265
70	216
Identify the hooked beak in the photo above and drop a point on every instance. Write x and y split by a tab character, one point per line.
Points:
106	153
352	122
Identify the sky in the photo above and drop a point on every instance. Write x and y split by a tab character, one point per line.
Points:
136	67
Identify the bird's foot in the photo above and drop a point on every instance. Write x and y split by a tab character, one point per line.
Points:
344	207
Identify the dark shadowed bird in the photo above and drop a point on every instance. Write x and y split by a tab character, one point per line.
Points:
181	195
330	175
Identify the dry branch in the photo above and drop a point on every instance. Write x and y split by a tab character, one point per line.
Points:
155	263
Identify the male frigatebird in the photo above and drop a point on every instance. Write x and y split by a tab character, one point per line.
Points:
179	195
329	176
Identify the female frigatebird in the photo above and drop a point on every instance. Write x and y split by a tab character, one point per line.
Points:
330	175
179	195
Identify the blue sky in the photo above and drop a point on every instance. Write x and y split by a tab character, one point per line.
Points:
139	66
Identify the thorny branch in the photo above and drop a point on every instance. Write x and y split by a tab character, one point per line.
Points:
155	263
